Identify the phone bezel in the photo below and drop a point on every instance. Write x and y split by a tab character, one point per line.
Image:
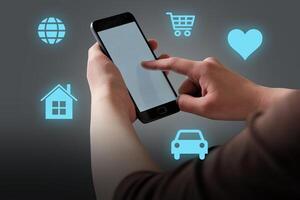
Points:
124	18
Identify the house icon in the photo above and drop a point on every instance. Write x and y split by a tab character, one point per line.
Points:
59	103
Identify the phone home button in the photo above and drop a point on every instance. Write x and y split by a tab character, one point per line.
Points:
161	110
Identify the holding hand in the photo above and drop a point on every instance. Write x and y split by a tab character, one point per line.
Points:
106	82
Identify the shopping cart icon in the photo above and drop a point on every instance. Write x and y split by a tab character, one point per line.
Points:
182	23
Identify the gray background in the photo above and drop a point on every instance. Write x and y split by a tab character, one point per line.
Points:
42	159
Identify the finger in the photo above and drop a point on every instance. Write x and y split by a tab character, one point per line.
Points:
179	65
162	56
188	87
94	49
153	44
188	103
212	60
96	53
98	62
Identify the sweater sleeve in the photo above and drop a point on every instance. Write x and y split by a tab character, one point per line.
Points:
262	162
181	183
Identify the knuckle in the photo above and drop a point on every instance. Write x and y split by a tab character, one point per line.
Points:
211	60
109	79
97	58
90	50
209	64
106	67
208	67
172	61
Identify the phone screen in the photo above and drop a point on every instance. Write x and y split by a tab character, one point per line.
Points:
127	48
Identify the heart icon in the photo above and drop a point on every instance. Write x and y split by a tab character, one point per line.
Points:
245	43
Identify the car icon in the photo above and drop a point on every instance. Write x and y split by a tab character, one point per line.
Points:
189	141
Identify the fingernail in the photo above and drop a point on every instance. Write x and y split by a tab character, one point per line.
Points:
144	63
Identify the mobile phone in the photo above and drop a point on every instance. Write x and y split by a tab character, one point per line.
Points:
122	40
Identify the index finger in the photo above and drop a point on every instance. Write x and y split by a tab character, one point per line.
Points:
94	48
179	65
96	52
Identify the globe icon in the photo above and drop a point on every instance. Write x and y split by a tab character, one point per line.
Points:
51	30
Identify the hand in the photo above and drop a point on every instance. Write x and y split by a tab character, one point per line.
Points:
211	90
106	82
111	129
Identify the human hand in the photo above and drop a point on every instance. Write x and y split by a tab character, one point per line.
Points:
106	82
211	90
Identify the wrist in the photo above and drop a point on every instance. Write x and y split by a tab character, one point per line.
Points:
111	101
268	96
116	103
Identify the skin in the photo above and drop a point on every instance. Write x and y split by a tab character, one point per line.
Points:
213	91
210	90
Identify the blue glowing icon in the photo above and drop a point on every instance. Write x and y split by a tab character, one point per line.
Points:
182	23
245	43
189	141
51	30
59	103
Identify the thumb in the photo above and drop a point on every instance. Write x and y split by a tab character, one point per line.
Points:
188	103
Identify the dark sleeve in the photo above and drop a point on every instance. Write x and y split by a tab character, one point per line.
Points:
262	162
179	184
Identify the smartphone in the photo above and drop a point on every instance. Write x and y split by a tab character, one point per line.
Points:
122	40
